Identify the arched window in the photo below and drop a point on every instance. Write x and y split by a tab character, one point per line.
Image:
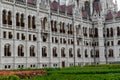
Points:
63	52
86	55
9	18
17	19
111	32
68	25
60	27
71	29
22	20
63	27
108	43
7	51
78	29
78	53
4	18
91	53
32	51
111	54
20	50
97	53
52	27
44	53
70	53
55	26
54	52
33	22
118	31
44	22
107	32
96	32
29	21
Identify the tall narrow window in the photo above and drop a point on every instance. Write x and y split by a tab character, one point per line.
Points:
23	36
4	34
32	52
10	35
55	26
86	55
33	22
17	19
70	53
30	37
22	20
44	54
54	52
111	54
52	27
7	50
20	50
107	32
18	36
34	38
4	18
63	52
111	32
29	21
97	53
9	18
78	53
44	23
96	32
63	25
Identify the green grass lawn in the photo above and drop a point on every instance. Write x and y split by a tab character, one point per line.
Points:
101	72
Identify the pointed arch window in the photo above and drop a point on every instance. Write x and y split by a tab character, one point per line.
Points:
33	22
44	23
55	26
29	21
9	18
91	53
22	20
32	51
86	55
7	51
97	53
54	52
111	54
96	32
118	31
4	17
70	53
44	52
63	26
52	28
111	32
107	32
78	53
20	50
63	52
17	19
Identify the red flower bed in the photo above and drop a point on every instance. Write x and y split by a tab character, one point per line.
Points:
23	74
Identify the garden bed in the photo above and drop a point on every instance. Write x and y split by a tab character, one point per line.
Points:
23	73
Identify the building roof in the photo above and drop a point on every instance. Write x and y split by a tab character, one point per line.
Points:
54	5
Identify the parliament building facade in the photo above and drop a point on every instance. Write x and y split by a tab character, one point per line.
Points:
44	33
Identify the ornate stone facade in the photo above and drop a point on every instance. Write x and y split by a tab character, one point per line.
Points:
42	33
